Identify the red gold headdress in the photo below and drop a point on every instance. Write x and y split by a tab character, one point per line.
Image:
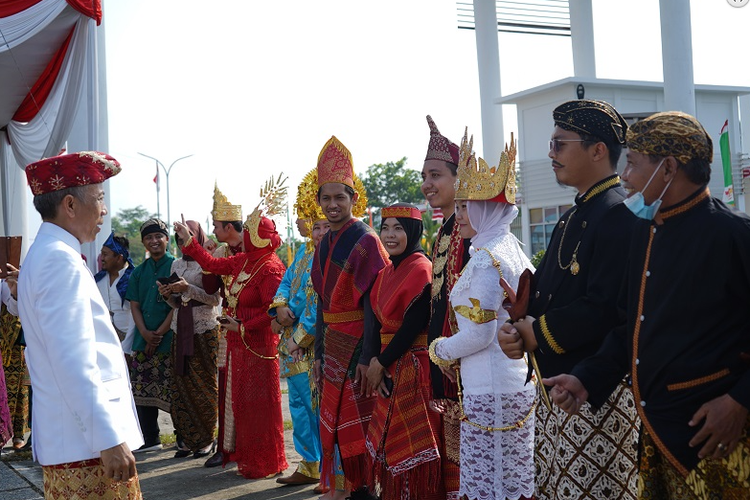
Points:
65	171
483	183
405	212
440	148
335	164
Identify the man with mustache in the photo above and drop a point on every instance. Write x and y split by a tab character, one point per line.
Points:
685	342
572	307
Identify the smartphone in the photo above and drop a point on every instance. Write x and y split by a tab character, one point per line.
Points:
388	385
173	278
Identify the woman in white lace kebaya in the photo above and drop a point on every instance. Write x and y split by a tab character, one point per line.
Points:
497	436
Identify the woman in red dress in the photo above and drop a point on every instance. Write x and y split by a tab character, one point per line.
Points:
253	427
401	437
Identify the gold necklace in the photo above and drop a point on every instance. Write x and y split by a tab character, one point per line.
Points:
573	264
242	336
517	425
242	279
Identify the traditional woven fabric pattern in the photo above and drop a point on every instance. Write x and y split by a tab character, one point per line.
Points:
6	429
402	434
194	401
14	365
87	482
345	414
344	268
588	456
724	479
150	378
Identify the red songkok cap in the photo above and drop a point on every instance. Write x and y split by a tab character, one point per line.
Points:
440	148
65	171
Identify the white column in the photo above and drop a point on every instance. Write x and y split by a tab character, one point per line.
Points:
582	38
15	195
677	56
488	59
90	129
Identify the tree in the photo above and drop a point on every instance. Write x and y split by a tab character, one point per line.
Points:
388	183
287	250
127	223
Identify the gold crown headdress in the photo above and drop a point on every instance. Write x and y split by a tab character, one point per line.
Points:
223	210
272	202
475	180
360	206
306	206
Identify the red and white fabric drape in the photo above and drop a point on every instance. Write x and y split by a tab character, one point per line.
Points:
44	119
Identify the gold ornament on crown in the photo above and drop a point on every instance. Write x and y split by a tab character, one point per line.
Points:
272	202
223	210
306	206
360	206
475	180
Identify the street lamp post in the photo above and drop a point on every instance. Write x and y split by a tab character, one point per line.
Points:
166	174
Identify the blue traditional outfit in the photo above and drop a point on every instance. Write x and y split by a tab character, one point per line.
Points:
296	293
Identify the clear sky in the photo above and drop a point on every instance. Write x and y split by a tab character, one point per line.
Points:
252	88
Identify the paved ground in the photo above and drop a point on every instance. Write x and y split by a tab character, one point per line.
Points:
166	478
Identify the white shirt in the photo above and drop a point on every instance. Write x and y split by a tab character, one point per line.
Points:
122	317
82	398
7	298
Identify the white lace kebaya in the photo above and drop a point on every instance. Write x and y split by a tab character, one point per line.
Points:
495	464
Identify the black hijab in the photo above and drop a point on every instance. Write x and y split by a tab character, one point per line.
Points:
413	229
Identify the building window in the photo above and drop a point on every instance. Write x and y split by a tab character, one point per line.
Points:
542	222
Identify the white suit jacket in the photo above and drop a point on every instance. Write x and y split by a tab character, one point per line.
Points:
82	401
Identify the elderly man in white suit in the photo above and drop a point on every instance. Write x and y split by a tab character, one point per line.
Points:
85	421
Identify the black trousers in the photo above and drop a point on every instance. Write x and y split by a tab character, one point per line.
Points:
148	417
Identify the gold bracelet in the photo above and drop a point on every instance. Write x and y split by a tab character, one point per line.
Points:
435	358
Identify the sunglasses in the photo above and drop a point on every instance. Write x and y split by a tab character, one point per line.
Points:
554	144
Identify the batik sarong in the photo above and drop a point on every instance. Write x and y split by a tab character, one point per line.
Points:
85	480
150	379
195	395
590	455
712	479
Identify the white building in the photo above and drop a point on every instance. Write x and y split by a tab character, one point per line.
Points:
543	200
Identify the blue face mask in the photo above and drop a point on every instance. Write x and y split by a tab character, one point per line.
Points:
637	204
